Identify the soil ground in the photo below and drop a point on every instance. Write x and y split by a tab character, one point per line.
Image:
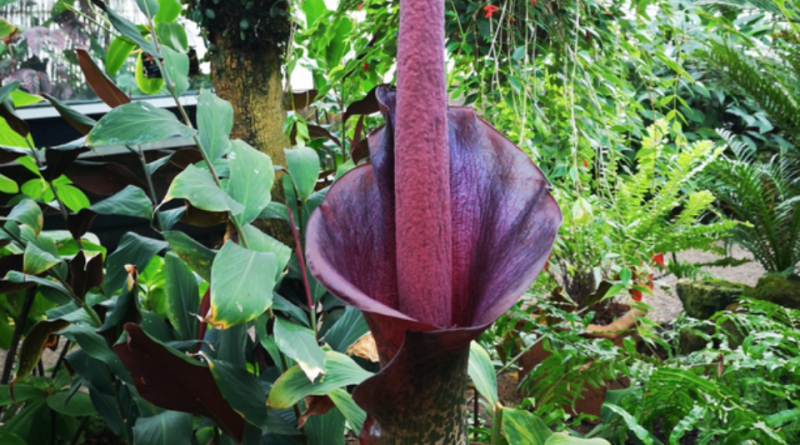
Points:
665	301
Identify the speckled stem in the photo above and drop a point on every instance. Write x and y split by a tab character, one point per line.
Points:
434	414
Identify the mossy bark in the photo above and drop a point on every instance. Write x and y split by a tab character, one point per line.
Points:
250	79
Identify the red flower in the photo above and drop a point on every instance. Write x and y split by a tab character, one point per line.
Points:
490	9
659	259
585	163
360	6
366	67
534	2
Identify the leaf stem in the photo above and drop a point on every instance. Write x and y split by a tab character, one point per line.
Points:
302	262
19	325
497	424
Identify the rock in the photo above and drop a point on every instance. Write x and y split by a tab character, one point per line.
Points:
690	341
702	299
781	291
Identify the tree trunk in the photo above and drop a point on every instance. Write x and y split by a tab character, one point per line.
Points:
250	79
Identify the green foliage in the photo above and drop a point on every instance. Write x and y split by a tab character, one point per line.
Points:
766	197
654	206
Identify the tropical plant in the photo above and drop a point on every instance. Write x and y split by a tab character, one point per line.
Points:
640	211
743	386
766	197
441	234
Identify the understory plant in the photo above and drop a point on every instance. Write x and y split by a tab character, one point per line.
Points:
765	196
729	380
639	213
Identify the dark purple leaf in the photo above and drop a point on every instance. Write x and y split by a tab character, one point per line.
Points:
57	161
367	105
79	223
7	264
174	381
83	275
105	89
14	121
101	178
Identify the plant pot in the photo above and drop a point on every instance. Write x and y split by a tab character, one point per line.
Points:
592	398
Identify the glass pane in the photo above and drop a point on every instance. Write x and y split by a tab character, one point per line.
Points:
42	54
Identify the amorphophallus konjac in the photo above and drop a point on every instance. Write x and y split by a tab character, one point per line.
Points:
433	240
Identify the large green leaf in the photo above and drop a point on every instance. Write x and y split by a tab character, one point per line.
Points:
27	212
77	404
33	345
79	121
133	249
242	390
299	343
214	122
183	298
524	428
303	165
130	201
197	186
148	7
168	11
174	35
338	45
196	255
347	330
40	255
241	285
95	346
6	29
118	52
293	385
177	64
129	30
327	429
313	10
481	371
353	413
261	242
136	123
250	180
169	427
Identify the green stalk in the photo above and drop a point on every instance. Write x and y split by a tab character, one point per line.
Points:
497	424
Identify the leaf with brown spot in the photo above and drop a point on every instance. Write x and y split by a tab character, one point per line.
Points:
365	348
202	218
105	89
315	406
33	346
